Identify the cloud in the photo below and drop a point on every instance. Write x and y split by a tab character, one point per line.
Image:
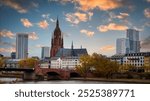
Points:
111	26
148	0
87	32
77	17
39	46
146	43
43	24
107	48
7	44
6	33
33	36
15	5
46	16
147	12
26	22
66	34
52	20
35	4
105	5
147	24
119	16
7	50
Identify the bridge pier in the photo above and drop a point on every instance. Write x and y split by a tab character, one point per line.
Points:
29	76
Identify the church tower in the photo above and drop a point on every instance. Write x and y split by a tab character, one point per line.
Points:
56	41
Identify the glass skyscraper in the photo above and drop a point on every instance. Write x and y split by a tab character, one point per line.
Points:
45	52
133	36
130	44
122	46
21	45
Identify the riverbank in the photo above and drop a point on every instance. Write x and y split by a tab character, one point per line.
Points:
130	81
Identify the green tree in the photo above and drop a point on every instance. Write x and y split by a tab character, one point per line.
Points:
28	63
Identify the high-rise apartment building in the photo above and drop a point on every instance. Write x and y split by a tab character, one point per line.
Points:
45	52
21	45
133	36
122	46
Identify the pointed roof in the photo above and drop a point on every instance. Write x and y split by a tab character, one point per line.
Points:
57	23
72	45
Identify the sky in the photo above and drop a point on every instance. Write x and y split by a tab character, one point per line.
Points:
92	24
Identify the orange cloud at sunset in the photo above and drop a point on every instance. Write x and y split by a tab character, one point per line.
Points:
101	4
43	24
8	50
33	36
111	26
107	48
6	33
26	22
77	17
87	32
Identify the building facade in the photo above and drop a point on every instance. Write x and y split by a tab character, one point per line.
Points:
45	52
122	46
21	45
13	55
56	41
67	58
135	59
133	36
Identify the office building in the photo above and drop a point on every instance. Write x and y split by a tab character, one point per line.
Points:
122	46
21	45
133	36
45	52
13	55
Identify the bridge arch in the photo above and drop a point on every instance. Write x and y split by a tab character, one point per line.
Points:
74	74
52	75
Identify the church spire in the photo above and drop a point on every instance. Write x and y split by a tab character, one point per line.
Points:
57	23
72	45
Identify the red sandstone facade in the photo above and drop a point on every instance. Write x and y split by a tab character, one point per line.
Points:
56	41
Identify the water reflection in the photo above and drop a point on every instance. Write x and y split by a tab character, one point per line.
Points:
20	81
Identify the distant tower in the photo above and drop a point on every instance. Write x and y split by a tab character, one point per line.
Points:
133	36
56	41
122	46
45	52
21	45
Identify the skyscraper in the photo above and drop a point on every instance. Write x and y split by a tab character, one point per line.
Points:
21	45
122	46
133	36
56	41
45	52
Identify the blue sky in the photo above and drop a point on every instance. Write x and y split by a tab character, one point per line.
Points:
94	24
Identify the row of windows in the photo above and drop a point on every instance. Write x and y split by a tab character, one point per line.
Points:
133	61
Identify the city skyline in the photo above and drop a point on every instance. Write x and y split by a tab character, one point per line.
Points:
95	25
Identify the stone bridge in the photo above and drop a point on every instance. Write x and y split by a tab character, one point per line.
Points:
52	73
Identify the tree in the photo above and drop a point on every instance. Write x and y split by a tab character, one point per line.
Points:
85	64
28	63
102	66
2	62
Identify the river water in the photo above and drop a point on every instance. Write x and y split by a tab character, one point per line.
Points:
20	81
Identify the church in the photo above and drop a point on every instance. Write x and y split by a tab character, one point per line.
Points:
61	57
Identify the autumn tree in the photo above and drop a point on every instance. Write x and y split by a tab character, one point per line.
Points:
28	63
85	65
102	66
2	61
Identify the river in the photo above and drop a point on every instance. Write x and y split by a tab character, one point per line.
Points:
20	81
